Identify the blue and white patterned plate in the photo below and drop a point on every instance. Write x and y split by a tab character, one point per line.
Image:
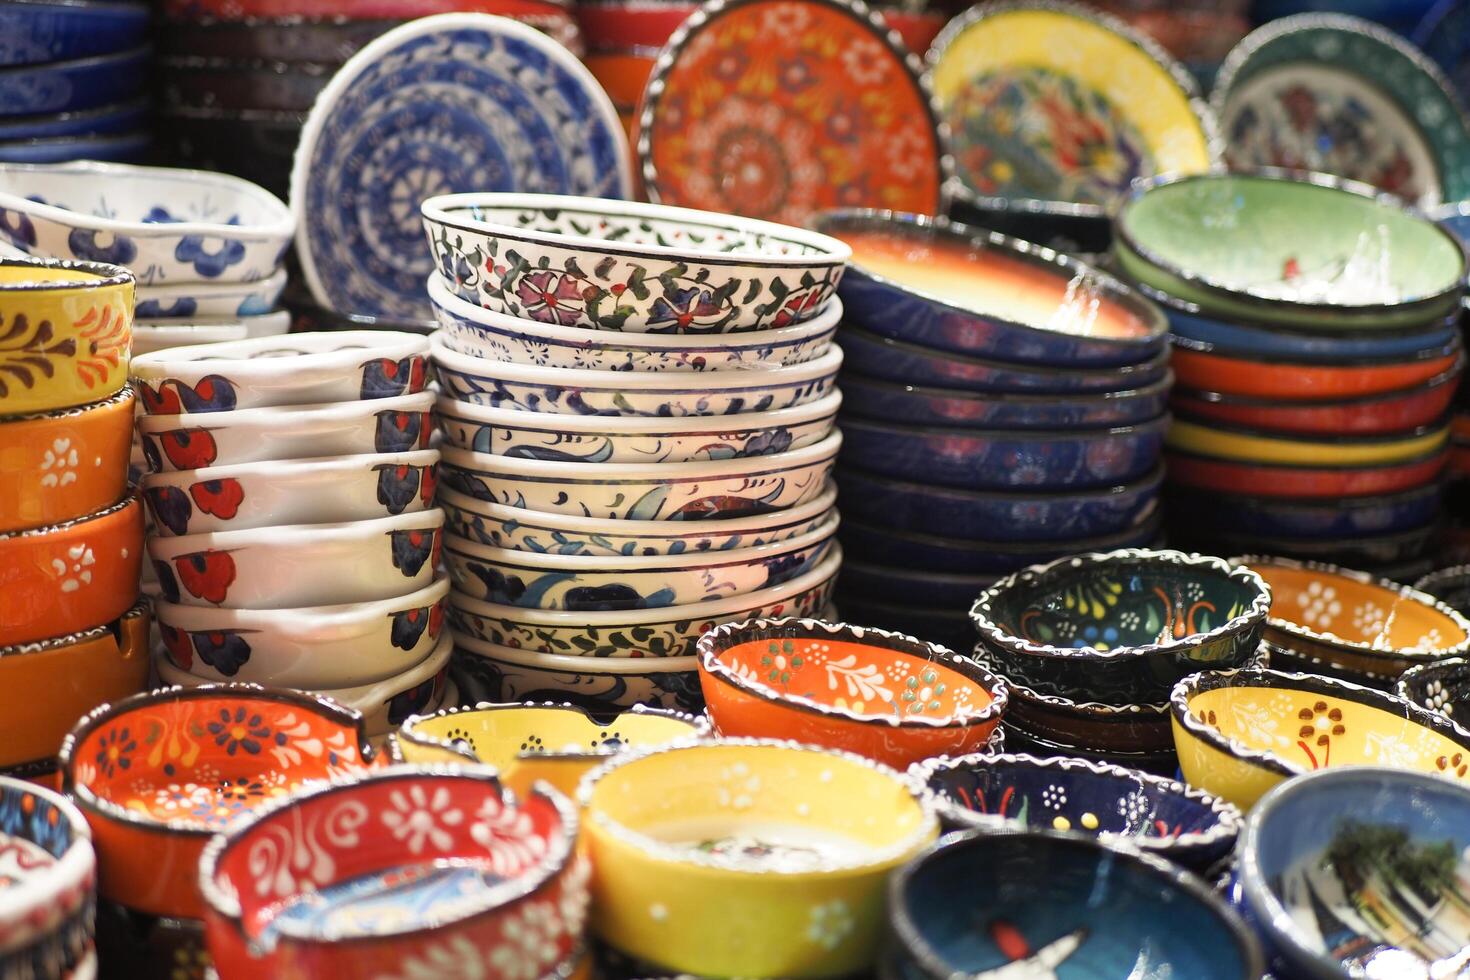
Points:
457	102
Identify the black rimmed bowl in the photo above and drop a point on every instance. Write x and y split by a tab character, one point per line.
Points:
1156	761
1443	687
1103	727
1450	586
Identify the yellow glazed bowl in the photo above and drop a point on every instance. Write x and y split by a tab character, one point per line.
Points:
747	857
1250	447
1239	733
559	743
65	333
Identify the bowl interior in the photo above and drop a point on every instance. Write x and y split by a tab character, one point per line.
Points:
1359	612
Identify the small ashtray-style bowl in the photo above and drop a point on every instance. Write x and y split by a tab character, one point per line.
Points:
1129	727
399	872
1040	903
884	696
527	742
1442	686
1124	626
156	774
46	920
1238	733
1450	586
792	841
1157	815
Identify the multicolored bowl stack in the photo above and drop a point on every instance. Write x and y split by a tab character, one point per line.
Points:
638	409
1317	353
1005	406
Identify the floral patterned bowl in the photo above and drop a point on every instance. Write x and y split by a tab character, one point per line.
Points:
616	265
406	872
187	303
882	695
688	838
171	225
1442	686
46	918
157	773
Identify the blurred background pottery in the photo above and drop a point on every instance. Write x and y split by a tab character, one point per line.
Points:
1443	686
47	925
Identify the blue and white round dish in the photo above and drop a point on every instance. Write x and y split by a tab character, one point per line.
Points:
449	103
36	31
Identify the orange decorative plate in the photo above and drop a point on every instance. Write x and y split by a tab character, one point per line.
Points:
778	109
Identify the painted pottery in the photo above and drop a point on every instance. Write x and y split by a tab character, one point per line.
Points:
1250	446
175	300
1157	763
41	32
64	464
1449	585
1200	366
1127	727
116	117
46	926
1314	482
77	83
1376	414
601	685
1442	686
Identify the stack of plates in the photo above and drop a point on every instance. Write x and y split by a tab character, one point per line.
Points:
1455	544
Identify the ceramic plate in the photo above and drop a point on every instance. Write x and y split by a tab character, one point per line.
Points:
778	109
1047	101
1341	96
457	102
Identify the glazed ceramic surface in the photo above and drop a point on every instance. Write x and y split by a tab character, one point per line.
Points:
1441	34
1393	412
180	300
167	225
1053	102
724	126
1130	727
77	83
638	268
1443	686
1154	762
117	117
1450	586
1330	519
156	335
1203	367
705	832
454	103
37	32
64	464
1310	482
46	925
1238	443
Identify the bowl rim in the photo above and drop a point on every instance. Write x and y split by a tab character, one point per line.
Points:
1023	692
961	193
100	59
293	535
1151	480
1439	575
855	379
123	396
1159	423
575	664
287	416
138	609
1333	470
71	869
717	641
1385	442
106	275
275	282
1252	401
273	469
339	351
313	619
1027	578
1455	344
1431	671
1124	373
129	499
1433	489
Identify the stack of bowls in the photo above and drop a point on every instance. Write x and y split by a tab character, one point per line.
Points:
1091	647
73	81
1005	406
1454	545
72	632
295	541
638	411
47	923
1317	356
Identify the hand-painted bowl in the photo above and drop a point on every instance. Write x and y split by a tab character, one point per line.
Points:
505	526
885	696
44	30
1124	626
303	369
792	841
330	490
1239	733
606	439
1354	872
311	648
714	490
298	565
982	459
64	463
1336	519
1395	411
1336	257
1158	816
1450	586
1202	367
579	391
634	267
157	773
1153	761
46	922
1442	686
469	329
1041	903
592	583
1278	480
526	743
1220	441
401	871
174	226
1130	727
187	302
74	84
284	432
155	335
949	287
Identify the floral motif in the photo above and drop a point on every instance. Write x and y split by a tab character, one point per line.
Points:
550	298
59	464
1320	724
115	750
780	661
239	730
210	264
829	924
509	837
1318	605
1054	797
419	820
923	693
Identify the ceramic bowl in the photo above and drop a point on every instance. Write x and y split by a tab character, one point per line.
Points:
685	830
283	901
331	490
304	369
1440	686
603	439
1128	727
635	267
575	391
1158	816
1032	901
74	84
638	633
1240	732
46	924
184	301
287	432
703	491
174	226
291	566
1157	763
885	696
157	773
1340	257
1363	838
1325	519
1198	366
470	329
1123	626
121	147
1394	412
1217	441
155	335
45	31
64	463
312	648
558	743
984	459
949	287
116	117
1277	480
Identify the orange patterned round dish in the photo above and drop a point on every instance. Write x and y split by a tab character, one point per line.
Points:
778	109
1199	366
61	465
65	578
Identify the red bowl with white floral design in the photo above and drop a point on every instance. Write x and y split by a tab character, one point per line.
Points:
157	774
410	872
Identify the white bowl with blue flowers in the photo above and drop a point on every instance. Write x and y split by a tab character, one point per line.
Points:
193	300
